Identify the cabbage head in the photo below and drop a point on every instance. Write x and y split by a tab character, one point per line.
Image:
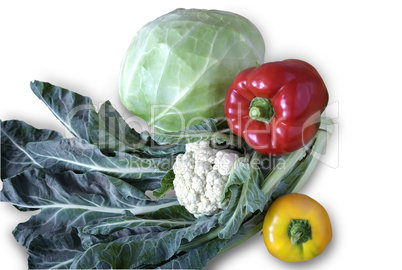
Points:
178	68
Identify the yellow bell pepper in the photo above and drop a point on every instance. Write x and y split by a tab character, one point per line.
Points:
296	228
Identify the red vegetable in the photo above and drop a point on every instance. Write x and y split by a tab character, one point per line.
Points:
276	107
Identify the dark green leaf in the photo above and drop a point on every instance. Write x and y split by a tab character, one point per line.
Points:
109	225
94	191
15	135
105	128
110	132
166	185
132	251
80	156
54	251
69	201
244	185
73	110
196	258
207	130
57	222
26	148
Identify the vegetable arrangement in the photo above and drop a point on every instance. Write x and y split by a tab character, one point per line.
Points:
102	195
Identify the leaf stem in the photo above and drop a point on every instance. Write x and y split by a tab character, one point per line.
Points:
316	151
246	235
282	168
201	240
314	147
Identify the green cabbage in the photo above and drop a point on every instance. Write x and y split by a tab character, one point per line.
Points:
178	68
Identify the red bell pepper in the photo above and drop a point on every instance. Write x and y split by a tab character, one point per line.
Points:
276	107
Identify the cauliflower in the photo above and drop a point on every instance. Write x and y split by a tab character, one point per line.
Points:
200	177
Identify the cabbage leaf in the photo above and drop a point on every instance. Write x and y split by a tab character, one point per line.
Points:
178	68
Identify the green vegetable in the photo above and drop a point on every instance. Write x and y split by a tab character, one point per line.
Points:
178	68
106	128
94	208
80	156
244	187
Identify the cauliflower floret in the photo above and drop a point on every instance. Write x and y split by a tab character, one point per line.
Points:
215	187
200	177
205	154
192	147
202	168
224	160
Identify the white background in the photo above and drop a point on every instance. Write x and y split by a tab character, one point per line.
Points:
355	45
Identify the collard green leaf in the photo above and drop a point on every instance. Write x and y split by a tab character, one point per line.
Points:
131	252
73	110
244	185
200	227
196	258
207	130
248	228
54	251
170	217
36	189
24	149
91	219
177	212
166	185
15	135
69	201
135	251
104	128
58	221
110	225
80	156
110	132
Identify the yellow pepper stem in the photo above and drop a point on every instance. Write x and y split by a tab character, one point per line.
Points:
299	231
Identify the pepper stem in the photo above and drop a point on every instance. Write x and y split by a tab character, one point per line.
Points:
261	109
299	231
